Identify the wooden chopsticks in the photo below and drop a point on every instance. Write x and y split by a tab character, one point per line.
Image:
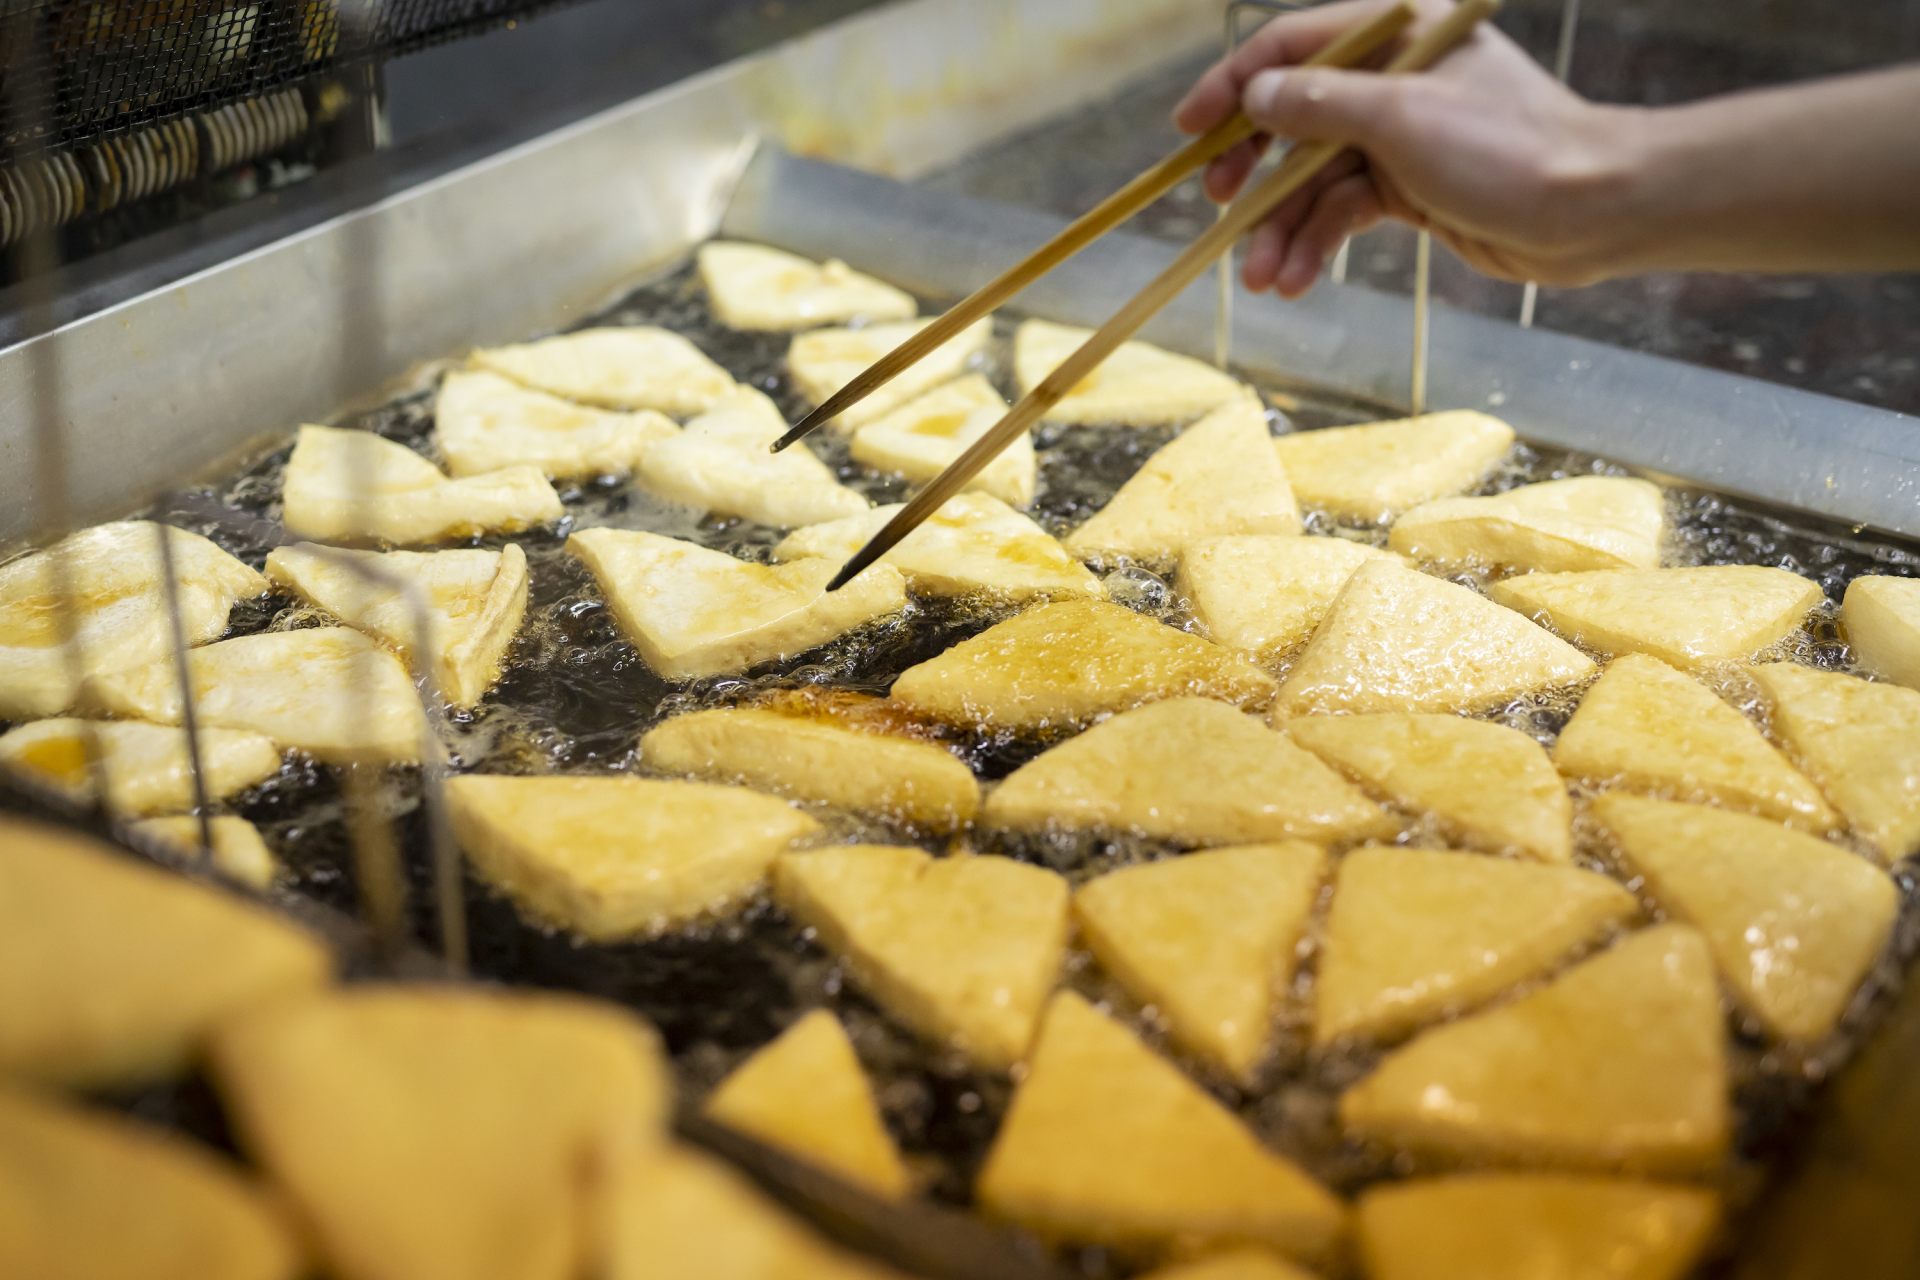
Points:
1300	164
1349	50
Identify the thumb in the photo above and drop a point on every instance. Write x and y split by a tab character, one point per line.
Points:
1322	103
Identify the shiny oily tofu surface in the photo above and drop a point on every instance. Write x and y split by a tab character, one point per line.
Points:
694	612
238	852
1061	664
1585	522
1881	617
918	440
1207	939
147	767
622	369
483	422
87	1195
1396	639
1139	385
1218	477
1688	618
720	462
110	575
963	950
113	972
616	856
1233	1264
1263	594
474	602
438	1132
1373	472
354	486
752	286
1186	769
825	360
1108	1143
328	691
1794	922
1619	1063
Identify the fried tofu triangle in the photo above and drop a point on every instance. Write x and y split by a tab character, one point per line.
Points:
1376	470
1586	522
1140	385
753	286
146	766
825	360
632	368
354	486
484	422
1882	620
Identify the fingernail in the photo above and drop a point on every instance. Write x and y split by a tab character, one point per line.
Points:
1263	89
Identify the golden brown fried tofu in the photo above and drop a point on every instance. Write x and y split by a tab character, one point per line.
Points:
753	286
921	437
623	369
1139	385
1235	1264
147	767
1263	594
1586	522
825	360
483	422
721	462
1882	621
238	853
1374	471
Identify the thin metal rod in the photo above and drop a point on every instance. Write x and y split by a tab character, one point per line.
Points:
1422	320
1562	68
183	676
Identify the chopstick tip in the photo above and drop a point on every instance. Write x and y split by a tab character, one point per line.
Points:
799	431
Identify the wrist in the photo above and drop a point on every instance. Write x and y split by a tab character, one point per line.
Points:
1610	191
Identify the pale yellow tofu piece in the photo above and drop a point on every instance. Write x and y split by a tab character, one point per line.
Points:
1263	594
623	369
1486	786
113	972
1860	741
1139	385
110	578
1585	522
1533	1226
806	1094
1882	620
918	440
354	486
1689	618
328	691
1061	664
972	544
1396	639
1186	769
825	360
695	612
1374	471
474	602
1236	1264
753	286
620	857
147	767
1618	1063
238	852
1107	1143
720	462
484	422
1416	934
1646	727
1218	477
437	1132
963	950
1794	922
1208	939
89	1195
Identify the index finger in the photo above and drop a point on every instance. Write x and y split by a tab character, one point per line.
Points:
1286	40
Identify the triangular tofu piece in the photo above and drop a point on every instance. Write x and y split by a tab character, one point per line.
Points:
806	1093
1689	618
720	462
484	422
696	612
1415	934
826	360
1618	1063
1860	741
112	972
1263	594
1882	621
1186	769
444	1133
238	853
1218	477
474	602
1794	921
751	286
1062	664
1375	471
1107	1143
617	857
622	369
1487	786
328	691
964	950
1396	639
1139	385
1647	727
1208	939
1586	522
354	486
1236	1264
147	767
1528	1226
920	438
92	1196
118	595
972	544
